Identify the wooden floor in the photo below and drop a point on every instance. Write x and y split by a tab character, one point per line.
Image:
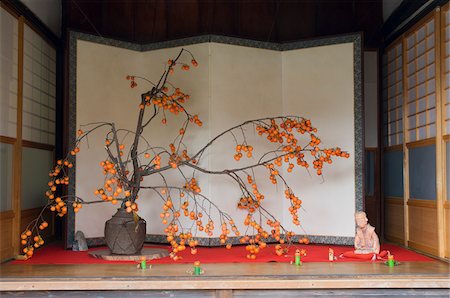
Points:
225	280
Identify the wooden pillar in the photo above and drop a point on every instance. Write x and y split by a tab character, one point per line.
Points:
405	148
440	161
17	167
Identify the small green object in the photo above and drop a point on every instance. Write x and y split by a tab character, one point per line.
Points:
143	265
197	270
391	263
297	260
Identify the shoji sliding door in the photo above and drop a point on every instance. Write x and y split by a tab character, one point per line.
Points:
27	125
416	110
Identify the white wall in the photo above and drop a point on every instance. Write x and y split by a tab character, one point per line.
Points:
48	11
231	85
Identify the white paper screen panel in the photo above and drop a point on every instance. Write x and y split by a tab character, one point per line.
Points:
9	69
39	89
6	176
231	85
446	66
421	83
393	95
35	166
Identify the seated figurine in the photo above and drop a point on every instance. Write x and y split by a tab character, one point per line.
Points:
367	244
366	240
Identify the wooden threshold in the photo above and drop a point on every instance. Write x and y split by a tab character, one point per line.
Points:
226	276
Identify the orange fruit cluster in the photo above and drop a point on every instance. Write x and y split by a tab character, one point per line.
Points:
283	133
247	203
280	250
108	167
253	201
172	102
28	251
113	187
76	206
59	177
296	204
303	240
73	152
59	206
27	240
196	120
131	206
133	82
184	66
253	250
193	185
241	147
224	234
184	239
256	242
273	173
170	215
157	162
185	155
166	214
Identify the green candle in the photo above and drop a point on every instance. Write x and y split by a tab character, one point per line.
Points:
391	262
197	270
297	257
143	263
297	260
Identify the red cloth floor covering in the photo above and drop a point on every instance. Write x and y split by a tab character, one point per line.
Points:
56	254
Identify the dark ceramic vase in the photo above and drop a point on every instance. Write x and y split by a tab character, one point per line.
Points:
123	235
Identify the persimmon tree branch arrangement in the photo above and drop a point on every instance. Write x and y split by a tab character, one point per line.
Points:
295	143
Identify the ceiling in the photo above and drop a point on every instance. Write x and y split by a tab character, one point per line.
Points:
148	21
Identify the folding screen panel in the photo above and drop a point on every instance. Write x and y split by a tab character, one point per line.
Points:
235	81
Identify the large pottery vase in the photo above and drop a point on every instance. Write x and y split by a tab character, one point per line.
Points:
123	235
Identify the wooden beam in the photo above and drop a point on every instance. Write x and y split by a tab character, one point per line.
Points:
421	143
225	276
17	169
30	144
398	147
394	200
422	203
7	140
